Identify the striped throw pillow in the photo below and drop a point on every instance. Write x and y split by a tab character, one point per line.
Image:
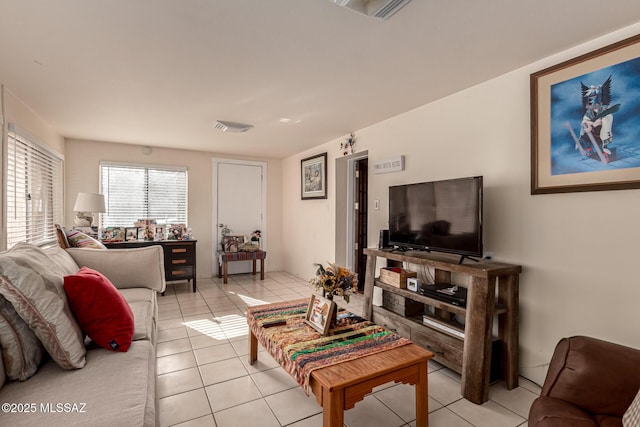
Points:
631	417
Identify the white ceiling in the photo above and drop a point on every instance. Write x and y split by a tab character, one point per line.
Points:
160	72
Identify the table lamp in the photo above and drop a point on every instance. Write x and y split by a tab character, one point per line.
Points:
86	205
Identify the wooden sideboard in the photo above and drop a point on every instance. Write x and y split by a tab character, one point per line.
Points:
179	257
466	350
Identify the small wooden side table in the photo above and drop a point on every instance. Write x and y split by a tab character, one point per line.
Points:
225	257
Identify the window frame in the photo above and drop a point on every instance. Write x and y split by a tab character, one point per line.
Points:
50	178
146	168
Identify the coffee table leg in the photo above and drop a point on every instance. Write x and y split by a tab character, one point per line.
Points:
253	348
226	272
422	397
254	267
332	408
262	269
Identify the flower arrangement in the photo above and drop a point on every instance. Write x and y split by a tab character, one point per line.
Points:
335	281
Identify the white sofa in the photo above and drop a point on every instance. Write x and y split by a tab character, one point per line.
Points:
113	388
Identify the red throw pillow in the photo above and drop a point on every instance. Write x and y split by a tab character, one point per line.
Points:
101	311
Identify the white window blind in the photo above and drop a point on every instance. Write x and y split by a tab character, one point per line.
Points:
34	190
143	192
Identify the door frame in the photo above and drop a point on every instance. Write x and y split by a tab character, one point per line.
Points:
215	233
351	197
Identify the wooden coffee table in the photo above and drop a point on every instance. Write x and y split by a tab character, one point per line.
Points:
339	387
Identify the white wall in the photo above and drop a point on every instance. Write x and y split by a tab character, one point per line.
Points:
14	110
83	158
578	250
20	114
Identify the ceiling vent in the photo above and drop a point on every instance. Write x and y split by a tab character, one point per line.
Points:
232	127
381	9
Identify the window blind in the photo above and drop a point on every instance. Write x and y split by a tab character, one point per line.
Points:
143	192
34	190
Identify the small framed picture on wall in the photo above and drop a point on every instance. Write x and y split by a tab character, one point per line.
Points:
313	177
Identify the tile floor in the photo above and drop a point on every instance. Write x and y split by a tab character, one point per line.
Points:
204	378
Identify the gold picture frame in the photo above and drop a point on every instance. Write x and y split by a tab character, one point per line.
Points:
583	122
319	313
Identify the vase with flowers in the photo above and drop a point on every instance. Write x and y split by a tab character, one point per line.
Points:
335	281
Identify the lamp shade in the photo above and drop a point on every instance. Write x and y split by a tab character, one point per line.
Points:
89	202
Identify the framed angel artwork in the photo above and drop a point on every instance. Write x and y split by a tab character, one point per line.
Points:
585	122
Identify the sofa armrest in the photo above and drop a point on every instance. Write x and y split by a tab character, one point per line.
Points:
125	268
598	376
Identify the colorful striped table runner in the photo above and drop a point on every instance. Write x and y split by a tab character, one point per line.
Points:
300	349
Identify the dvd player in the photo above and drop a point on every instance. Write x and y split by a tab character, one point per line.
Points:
455	295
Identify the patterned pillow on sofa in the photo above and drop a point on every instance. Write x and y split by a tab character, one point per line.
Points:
77	239
3	377
33	284
21	350
631	417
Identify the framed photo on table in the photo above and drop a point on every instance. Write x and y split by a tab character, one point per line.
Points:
160	233
175	231
113	234
232	243
130	234
313	177
320	313
583	122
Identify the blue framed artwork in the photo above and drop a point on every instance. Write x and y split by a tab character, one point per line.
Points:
585	121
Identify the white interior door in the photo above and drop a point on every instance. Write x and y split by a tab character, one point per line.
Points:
240	201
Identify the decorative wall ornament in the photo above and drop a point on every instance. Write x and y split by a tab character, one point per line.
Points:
347	146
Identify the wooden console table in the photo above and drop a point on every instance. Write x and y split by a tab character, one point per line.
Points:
340	386
179	257
466	350
225	257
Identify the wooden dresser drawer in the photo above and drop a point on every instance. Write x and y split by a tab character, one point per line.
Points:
179	250
179	272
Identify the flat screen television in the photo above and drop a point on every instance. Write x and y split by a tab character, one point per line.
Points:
441	216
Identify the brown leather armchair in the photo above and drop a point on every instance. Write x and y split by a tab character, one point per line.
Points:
589	383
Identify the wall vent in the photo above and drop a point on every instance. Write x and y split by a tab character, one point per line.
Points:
392	164
381	9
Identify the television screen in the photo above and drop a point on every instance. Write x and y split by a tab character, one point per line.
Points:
444	216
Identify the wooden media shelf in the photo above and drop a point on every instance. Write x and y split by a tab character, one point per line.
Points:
468	349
